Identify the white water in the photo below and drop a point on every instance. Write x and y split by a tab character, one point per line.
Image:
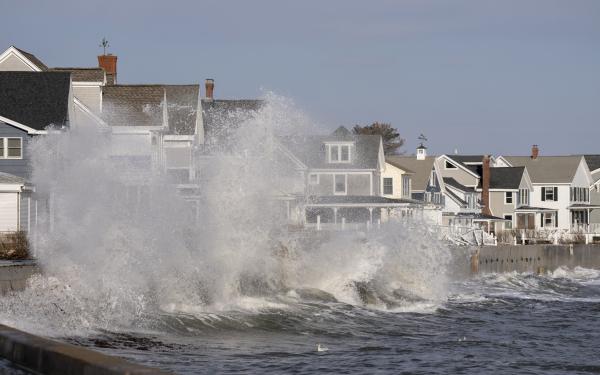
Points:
115	261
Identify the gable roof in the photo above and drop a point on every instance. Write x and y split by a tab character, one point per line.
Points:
221	117
505	178
395	164
420	168
450	181
470	163
35	99
548	169
31	57
143	105
312	152
593	162
83	74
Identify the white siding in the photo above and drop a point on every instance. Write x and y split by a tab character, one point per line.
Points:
13	63
9	212
88	95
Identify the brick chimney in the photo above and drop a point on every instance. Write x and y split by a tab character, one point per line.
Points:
109	64
535	151
485	185
209	84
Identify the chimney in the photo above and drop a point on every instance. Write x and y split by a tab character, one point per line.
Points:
535	151
209	83
109	64
485	185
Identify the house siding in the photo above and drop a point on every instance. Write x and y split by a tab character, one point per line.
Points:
564	221
88	95
17	167
359	184
459	175
12	63
595	200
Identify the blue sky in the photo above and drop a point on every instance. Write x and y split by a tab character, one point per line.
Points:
479	76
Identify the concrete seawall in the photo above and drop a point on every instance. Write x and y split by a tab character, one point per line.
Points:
43	356
534	258
14	274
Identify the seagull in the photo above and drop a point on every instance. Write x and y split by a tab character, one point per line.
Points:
322	348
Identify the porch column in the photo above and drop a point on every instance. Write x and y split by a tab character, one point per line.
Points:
335	215
371	215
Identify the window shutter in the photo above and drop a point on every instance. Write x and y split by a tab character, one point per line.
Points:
543	194
542	222
556	193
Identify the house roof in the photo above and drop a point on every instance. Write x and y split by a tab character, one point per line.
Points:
142	105
455	184
35	99
31	57
593	161
548	169
311	150
7	178
83	74
395	164
420	168
505	178
458	199
221	117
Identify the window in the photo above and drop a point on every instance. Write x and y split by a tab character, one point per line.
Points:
524	197
339	184
339	153
508	224
579	194
433	180
405	186
449	165
548	219
313	179
508	197
11	148
549	193
388	186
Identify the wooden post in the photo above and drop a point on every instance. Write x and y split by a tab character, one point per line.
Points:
318	222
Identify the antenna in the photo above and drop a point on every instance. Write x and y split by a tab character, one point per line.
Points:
104	44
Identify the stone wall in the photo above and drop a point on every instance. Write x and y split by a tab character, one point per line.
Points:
14	274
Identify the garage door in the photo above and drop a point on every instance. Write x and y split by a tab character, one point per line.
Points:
8	212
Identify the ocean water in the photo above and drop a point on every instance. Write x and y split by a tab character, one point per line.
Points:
491	324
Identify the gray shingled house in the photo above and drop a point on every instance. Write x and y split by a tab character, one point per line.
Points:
31	103
341	174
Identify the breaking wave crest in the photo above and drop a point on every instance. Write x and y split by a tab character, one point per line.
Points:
121	251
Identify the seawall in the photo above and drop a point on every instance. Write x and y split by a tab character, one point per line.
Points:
43	356
534	258
14	274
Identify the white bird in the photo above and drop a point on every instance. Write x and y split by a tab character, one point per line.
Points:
322	348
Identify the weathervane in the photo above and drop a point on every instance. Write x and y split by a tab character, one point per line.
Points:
422	138
104	44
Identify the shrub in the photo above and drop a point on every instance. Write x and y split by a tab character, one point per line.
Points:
14	246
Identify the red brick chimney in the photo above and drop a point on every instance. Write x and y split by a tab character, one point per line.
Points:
535	151
485	185
109	64
209	84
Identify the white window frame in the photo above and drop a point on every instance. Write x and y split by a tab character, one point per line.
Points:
508	194
339	153
311	182
524	197
552	223
392	185
546	195
511	221
345	192
5	150
449	165
405	186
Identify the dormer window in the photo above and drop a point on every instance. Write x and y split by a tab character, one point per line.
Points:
339	153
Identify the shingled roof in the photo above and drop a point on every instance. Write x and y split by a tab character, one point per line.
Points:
142	105
508	178
83	74
548	169
420	168
311	150
221	117
31	57
35	99
593	162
